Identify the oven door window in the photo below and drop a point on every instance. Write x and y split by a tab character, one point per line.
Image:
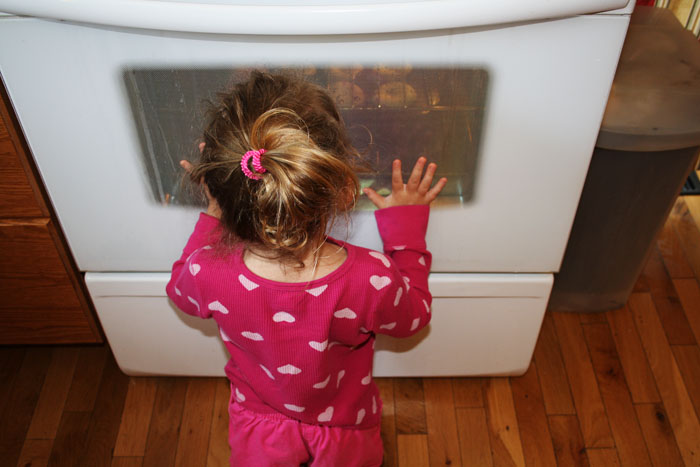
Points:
391	112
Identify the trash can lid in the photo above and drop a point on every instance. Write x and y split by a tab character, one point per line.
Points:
654	102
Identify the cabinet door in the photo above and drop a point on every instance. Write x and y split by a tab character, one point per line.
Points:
39	300
17	197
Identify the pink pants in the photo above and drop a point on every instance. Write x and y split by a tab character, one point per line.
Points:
275	440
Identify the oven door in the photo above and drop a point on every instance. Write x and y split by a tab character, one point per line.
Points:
510	112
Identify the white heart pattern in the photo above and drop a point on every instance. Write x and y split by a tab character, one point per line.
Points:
374	404
224	336
407	281
346	313
360	416
380	257
294	408
239	396
415	324
427	307
217	306
320	346
389	326
340	376
283	316
247	283
254	336
193	301
326	416
289	369
323	383
267	372
379	282
422	260
195	268
399	292
316	291
399	247
177	291
367	379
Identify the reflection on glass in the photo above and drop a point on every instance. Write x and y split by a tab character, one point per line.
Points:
391	112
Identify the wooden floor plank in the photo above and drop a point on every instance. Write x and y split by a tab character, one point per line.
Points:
10	363
468	392
106	416
688	360
669	381
88	371
591	318
532	419
219	452
410	406
640	379
35	453
22	399
127	462
605	457
443	439
667	303
584	387
70	440
193	442
388	429
54	391
567	440
616	397
413	450
165	422
556	393
474	442
693	205
136	418
688	229
658	433
504	432
671	250
689	294
641	284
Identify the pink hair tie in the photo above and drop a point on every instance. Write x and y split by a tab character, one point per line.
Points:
255	154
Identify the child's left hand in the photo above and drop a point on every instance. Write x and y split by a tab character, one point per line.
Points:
213	208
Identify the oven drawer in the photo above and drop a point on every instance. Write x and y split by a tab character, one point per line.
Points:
483	324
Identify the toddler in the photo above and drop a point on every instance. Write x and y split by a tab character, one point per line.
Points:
298	310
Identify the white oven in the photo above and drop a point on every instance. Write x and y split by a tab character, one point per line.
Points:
507	97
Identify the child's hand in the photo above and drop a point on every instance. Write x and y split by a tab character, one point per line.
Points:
415	191
213	208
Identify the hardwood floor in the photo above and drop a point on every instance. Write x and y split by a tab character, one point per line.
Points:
620	388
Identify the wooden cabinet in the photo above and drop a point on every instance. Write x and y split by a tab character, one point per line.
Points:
44	300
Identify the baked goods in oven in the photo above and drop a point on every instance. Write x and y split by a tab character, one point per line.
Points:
346	94
397	94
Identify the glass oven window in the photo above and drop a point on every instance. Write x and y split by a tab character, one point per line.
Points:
391	112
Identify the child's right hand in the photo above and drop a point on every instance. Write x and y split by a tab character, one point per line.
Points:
415	191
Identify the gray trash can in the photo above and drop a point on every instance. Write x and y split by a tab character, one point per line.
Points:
648	144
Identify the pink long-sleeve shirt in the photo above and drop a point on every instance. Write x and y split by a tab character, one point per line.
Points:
305	349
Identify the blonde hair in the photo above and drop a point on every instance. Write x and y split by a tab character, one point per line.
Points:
309	162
